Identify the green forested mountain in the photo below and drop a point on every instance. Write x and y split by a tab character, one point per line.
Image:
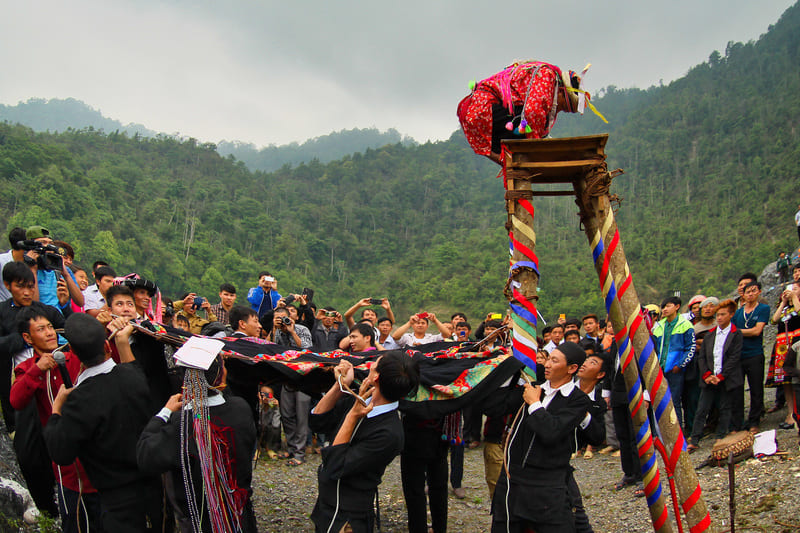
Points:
324	148
56	115
709	192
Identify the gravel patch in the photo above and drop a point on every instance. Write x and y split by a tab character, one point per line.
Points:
766	493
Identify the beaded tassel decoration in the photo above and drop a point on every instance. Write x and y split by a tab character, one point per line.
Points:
222	508
452	429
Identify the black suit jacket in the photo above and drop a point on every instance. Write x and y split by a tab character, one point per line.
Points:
731	359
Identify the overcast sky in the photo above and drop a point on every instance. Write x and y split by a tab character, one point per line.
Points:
275	72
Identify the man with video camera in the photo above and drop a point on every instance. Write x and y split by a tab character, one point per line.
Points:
47	262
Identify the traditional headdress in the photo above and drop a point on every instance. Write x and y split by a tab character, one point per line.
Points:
135	281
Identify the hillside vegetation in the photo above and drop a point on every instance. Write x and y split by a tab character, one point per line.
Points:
709	190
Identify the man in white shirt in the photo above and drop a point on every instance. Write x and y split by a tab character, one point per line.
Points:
556	338
419	325
94	297
719	366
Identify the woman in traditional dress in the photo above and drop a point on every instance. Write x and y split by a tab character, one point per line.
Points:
787	317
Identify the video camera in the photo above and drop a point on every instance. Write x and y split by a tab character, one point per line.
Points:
50	256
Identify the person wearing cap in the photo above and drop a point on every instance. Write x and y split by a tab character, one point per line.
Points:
532	492
99	421
521	101
693	308
47	281
144	291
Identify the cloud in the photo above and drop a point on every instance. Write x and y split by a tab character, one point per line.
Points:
275	72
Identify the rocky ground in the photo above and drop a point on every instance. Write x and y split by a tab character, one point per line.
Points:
766	493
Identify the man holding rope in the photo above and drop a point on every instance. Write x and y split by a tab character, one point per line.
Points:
532	492
368	438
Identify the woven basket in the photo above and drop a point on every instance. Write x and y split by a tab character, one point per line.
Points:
739	443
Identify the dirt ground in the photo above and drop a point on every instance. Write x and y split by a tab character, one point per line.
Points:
766	492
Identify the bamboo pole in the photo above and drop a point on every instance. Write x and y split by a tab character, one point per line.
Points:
601	230
522	284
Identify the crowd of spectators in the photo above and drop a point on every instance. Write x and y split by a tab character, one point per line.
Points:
708	353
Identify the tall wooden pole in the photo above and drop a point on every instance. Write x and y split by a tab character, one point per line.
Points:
522	284
633	338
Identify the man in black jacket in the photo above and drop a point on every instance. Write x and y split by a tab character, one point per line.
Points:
99	421
368	438
20	280
532	491
160	449
719	366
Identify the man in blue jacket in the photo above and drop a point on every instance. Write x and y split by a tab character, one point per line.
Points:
264	297
673	337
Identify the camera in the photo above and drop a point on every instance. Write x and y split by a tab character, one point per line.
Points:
286	321
198	303
49	255
375	301
289	298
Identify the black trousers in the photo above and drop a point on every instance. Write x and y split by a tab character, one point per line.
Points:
582	524
456	465
628	455
79	512
753	372
323	515
414	472
708	395
473	420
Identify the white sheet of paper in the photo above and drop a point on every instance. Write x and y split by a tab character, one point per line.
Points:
765	443
198	352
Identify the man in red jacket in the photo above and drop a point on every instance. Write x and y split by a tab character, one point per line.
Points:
38	378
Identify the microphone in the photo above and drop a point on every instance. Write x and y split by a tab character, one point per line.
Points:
61	360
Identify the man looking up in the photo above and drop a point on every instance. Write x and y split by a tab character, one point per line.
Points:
19	280
99	421
368	314
227	298
368	438
674	341
750	319
264	297
37	378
